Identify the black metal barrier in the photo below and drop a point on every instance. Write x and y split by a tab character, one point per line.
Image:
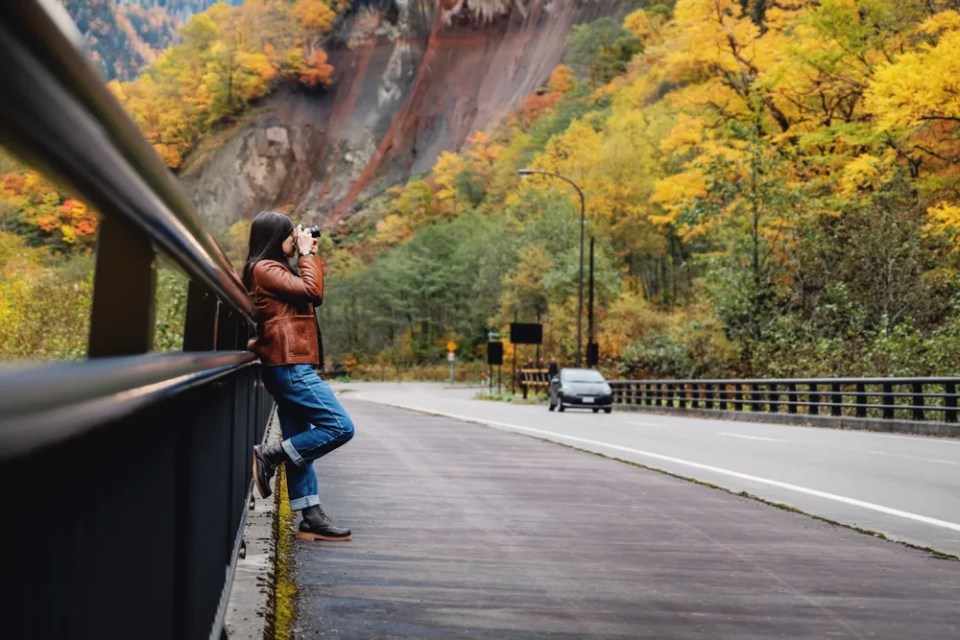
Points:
125	476
126	484
915	399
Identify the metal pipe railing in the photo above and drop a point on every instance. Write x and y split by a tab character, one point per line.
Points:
41	405
920	399
137	468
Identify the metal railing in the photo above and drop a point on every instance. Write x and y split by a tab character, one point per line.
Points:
126	475
914	399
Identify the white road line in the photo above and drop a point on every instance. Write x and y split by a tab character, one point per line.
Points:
914	438
696	465
909	457
646	424
740	435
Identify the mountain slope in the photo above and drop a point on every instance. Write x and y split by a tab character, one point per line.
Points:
413	78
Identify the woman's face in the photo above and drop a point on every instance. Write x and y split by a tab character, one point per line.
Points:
289	246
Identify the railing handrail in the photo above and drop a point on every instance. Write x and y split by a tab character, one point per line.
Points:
77	130
888	399
45	404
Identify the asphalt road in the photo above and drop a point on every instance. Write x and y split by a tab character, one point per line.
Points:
905	487
465	531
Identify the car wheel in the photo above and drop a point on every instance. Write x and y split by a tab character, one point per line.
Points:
560	407
608	410
596	410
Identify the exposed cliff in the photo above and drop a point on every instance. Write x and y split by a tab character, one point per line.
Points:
414	78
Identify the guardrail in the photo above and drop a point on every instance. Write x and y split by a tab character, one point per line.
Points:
917	399
126	475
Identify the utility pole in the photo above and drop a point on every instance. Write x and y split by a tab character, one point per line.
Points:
583	224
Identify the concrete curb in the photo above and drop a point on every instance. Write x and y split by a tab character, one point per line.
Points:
249	603
940	429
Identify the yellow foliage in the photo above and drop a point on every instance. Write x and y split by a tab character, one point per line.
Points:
867	172
685	136
393	230
673	193
561	80
944	217
639	24
445	172
923	85
714	35
315	15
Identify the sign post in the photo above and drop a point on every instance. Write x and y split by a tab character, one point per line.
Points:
451	357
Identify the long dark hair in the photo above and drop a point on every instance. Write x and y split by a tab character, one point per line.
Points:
267	232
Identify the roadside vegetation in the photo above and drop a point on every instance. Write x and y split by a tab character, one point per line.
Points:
773	191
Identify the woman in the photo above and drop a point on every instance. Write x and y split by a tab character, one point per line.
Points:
312	421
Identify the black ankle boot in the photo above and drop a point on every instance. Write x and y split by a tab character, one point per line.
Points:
266	459
317	525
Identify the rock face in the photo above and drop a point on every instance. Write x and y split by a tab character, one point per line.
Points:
414	78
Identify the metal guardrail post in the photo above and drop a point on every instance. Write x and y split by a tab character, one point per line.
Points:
950	402
200	325
122	315
814	399
862	400
889	409
917	401
792	397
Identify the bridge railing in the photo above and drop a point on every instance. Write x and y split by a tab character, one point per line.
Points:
126	476
913	399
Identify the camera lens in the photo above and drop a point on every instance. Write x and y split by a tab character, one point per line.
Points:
314	231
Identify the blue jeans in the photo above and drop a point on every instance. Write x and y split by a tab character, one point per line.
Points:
313	423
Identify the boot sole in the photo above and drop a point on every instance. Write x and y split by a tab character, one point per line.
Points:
303	535
264	491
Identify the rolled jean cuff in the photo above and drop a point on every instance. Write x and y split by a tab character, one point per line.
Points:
300	504
292	453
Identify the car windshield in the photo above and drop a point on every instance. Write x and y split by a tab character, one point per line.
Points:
582	375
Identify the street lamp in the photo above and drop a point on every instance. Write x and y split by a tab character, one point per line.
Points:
583	223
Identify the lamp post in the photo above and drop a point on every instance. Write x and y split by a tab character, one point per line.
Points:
583	223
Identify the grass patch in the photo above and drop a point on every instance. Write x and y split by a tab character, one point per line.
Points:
515	398
284	595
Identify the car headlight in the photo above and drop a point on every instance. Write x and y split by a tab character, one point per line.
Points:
566	390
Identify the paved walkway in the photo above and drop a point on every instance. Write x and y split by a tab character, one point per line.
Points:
462	531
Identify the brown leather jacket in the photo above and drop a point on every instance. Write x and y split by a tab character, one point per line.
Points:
286	326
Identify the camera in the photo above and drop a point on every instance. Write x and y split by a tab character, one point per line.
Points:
314	231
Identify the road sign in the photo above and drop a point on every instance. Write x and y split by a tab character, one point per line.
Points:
451	356
451	346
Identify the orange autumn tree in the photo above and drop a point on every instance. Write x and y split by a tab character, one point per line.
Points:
228	57
40	213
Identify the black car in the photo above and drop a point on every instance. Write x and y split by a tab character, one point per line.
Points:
582	389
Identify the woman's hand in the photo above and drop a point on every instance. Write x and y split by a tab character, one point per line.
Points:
306	243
